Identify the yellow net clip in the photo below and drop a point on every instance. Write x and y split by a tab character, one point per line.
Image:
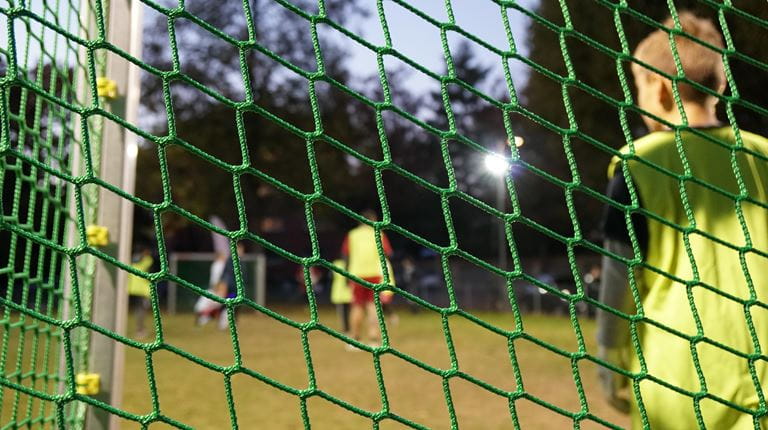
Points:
88	383
106	88
97	235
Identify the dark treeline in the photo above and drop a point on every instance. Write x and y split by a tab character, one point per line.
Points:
211	126
205	124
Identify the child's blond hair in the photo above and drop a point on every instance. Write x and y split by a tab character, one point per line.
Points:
700	63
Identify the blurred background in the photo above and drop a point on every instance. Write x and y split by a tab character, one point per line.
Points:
556	168
356	107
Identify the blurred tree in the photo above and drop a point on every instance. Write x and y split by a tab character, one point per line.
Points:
211	126
419	151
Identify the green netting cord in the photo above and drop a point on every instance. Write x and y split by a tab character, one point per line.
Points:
56	330
43	61
87	265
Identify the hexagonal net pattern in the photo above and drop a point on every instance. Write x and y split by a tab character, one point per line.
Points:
52	57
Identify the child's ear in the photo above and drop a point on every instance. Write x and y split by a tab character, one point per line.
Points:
664	92
721	88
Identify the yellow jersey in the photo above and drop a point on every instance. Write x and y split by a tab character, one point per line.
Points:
138	286
700	260
363	256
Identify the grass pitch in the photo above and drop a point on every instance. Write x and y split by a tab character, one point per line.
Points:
196	396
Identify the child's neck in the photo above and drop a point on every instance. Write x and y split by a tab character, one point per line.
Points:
697	115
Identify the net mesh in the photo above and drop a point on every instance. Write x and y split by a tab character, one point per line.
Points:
42	69
52	58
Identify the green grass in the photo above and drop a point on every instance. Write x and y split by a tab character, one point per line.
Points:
195	396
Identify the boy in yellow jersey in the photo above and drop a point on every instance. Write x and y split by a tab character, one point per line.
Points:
138	291
700	270
362	260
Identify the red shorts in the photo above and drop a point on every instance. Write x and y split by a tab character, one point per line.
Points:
362	295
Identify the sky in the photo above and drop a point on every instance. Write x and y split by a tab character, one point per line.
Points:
411	35
420	41
56	45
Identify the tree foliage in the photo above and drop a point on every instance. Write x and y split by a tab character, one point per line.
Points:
204	124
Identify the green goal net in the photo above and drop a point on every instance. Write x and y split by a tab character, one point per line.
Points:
63	102
44	74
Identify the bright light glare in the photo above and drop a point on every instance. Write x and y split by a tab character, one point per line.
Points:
496	164
132	150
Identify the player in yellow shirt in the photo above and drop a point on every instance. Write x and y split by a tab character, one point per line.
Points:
362	260
698	271
139	290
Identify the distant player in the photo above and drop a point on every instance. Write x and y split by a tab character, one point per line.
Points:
227	286
684	272
341	296
205	308
362	260
139	291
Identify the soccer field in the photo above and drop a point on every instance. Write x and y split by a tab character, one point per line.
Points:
196	396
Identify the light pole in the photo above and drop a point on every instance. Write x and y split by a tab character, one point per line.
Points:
499	166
